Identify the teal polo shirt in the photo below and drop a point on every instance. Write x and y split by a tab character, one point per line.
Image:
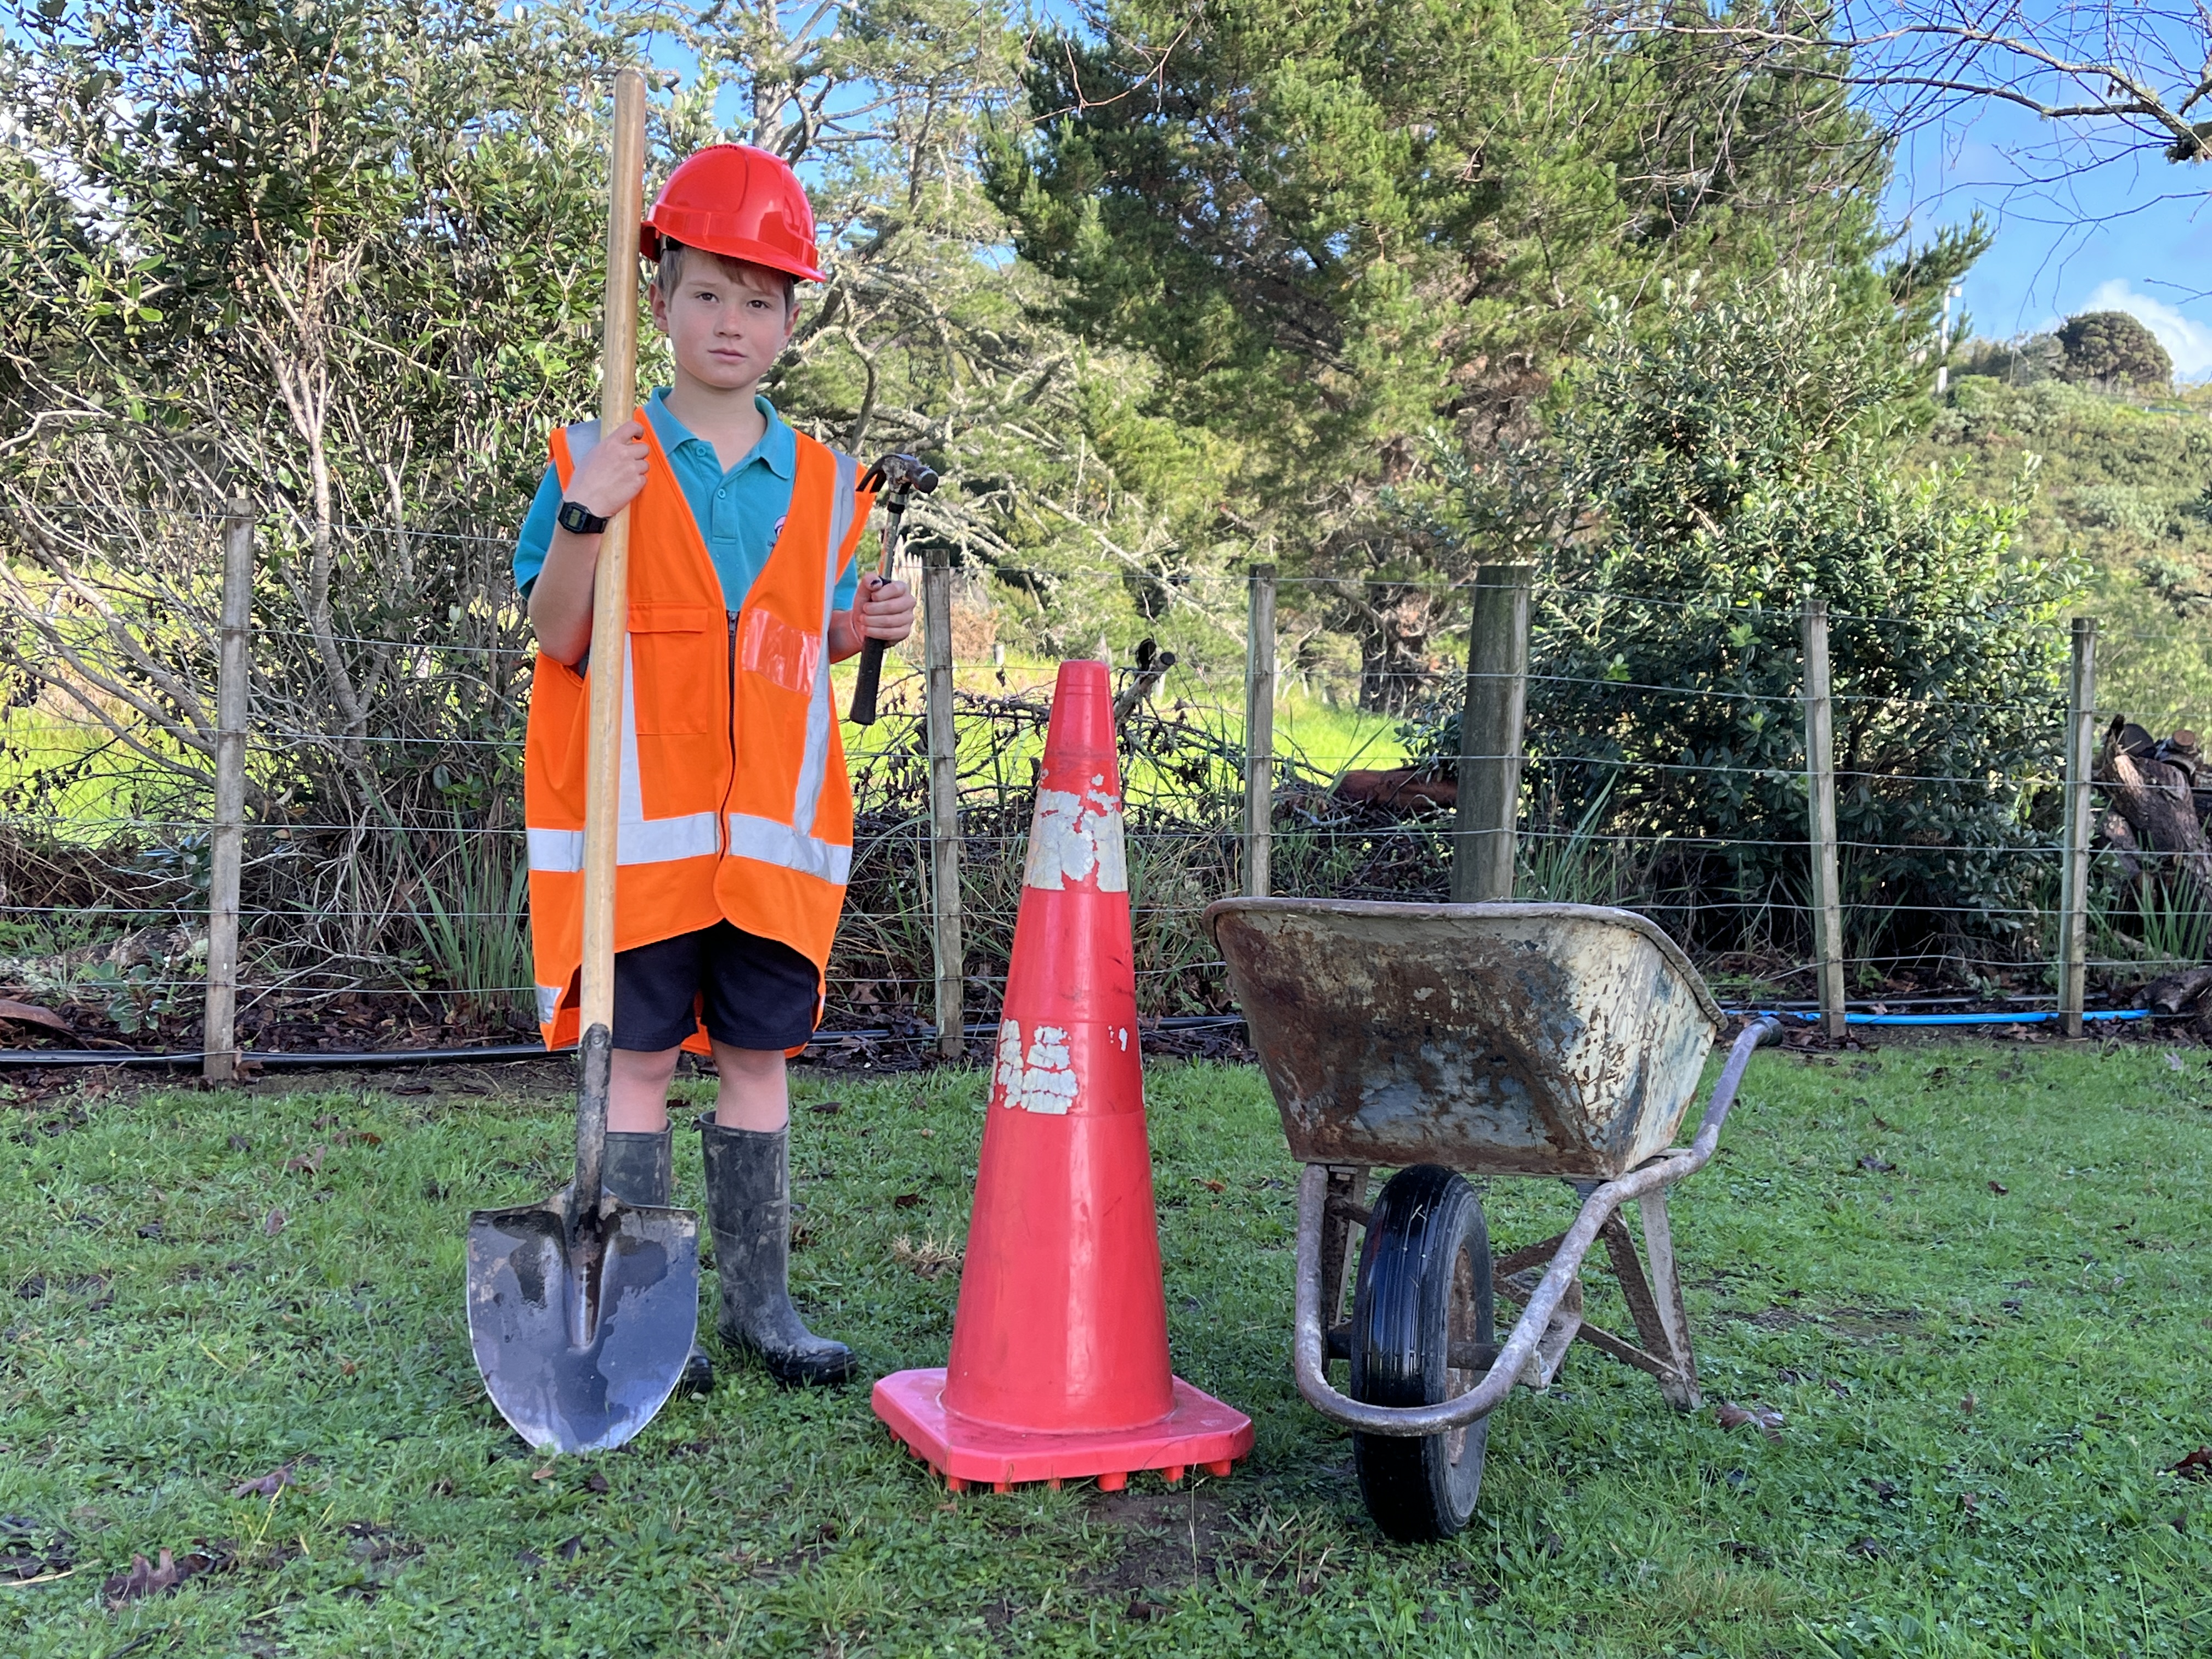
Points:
739	513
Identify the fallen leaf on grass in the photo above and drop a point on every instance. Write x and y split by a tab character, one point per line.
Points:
905	1200
1765	1418
1878	1167
572	1547
826	1107
927	1259
29	1013
154	1577
1215	1186
275	1224
598	1482
1999	1188
2173	1062
2197	1465
266	1485
545	1473
310	1161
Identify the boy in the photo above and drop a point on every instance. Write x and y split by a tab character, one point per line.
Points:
735	827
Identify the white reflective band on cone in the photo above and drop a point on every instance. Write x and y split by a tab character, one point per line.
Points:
1076	838
1040	1078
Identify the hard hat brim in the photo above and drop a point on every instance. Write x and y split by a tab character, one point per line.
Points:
711	239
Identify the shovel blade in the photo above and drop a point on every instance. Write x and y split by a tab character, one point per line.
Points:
580	1348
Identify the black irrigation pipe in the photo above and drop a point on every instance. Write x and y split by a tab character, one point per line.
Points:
30	1059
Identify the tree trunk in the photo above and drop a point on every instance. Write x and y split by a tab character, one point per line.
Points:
1393	622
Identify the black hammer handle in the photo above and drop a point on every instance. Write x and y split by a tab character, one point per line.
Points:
864	683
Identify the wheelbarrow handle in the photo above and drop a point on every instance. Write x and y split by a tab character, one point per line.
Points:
1308	1352
1762	1033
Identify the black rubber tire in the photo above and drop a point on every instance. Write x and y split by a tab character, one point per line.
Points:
1424	1280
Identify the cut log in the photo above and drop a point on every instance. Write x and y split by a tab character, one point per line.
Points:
2117	836
2152	796
2179	993
1404	787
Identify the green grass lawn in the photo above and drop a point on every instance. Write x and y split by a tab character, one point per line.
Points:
1981	1393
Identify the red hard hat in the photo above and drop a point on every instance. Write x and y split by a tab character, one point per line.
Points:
737	201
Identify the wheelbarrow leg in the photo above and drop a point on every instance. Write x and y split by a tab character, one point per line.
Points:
1655	1303
1347	1203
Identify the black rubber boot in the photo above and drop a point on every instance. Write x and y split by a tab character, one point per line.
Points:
749	1207
641	1169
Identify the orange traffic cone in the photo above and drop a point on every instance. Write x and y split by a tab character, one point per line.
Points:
1059	1347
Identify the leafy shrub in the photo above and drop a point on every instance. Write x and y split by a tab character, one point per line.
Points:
2121	507
2022	361
1711	468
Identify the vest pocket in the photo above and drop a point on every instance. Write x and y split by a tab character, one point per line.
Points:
675	668
781	654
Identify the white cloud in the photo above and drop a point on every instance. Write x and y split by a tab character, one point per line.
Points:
2188	342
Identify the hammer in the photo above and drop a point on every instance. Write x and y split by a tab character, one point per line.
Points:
901	476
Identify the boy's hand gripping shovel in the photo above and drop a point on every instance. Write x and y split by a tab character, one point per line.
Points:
581	1309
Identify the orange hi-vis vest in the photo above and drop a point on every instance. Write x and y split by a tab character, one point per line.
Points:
734	802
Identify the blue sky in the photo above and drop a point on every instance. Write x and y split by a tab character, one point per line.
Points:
2081	226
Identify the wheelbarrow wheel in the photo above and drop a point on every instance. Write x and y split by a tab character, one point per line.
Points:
1423	1287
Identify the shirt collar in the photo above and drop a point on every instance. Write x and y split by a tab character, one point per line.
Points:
778	447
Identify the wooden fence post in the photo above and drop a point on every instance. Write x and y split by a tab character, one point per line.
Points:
1820	792
1490	734
219	1026
944	799
2074	876
1260	731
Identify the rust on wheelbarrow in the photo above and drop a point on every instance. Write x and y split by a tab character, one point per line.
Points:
1495	1039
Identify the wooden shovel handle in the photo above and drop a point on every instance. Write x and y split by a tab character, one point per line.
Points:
610	583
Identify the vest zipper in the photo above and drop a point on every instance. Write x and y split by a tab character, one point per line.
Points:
730	730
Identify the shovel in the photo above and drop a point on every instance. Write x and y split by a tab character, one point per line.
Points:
581	1309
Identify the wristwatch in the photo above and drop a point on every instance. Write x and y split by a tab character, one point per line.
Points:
579	520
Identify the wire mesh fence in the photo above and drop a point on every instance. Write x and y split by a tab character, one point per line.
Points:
382	881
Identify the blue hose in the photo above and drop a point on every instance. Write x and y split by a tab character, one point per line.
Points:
1971	1019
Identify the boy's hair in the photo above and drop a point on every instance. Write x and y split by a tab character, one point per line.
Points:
671	269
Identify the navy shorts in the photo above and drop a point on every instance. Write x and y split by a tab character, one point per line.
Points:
751	992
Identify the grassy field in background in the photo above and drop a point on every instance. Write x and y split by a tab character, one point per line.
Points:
1973	1281
1325	737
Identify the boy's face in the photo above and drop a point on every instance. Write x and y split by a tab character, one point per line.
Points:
727	321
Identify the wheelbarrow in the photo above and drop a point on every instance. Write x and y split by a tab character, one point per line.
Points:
1445	1041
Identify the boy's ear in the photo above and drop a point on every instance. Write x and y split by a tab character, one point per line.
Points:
659	304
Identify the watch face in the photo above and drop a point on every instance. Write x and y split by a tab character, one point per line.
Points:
579	519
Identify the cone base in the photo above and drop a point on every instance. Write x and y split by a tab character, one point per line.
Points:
1199	1431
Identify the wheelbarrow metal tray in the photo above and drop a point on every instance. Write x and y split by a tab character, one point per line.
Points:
1495	1039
